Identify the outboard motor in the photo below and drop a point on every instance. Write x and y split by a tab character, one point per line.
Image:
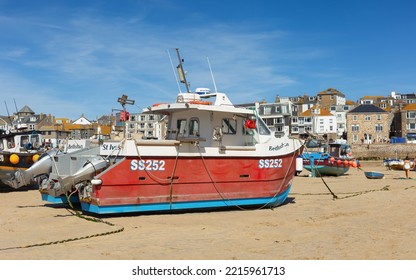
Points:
63	184
27	177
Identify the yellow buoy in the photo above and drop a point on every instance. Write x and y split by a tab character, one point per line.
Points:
14	159
35	157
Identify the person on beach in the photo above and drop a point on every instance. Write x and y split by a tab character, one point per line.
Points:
406	166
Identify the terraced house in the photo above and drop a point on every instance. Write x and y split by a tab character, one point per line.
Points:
368	124
405	123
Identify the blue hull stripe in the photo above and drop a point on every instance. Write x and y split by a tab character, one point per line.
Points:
270	201
59	199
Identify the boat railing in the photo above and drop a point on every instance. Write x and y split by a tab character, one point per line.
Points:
157	142
237	148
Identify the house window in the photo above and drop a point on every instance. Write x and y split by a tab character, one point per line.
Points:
277	109
278	120
411	115
295	129
355	118
268	121
355	138
355	128
379	128
294	120
367	118
378	117
267	110
411	126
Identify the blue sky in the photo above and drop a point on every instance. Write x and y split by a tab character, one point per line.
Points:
76	57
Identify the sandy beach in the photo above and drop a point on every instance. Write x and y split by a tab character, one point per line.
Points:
370	220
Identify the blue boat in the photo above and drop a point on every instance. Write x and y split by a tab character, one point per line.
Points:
373	175
333	159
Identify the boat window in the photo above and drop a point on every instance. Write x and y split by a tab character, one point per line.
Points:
181	127
262	127
194	127
24	140
229	126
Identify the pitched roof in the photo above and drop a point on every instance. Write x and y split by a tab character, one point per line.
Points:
372	97
409	107
26	109
322	112
367	108
332	91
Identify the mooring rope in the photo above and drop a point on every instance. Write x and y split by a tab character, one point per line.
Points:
227	199
79	215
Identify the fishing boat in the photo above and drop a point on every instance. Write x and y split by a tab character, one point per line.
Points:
373	175
42	167
214	155
19	150
331	159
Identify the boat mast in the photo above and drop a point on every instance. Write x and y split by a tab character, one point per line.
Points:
181	73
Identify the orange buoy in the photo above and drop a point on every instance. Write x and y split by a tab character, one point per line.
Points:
14	159
35	158
339	161
332	159
346	162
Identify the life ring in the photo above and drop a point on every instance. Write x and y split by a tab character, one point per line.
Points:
200	102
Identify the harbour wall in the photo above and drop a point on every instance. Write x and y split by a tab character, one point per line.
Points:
381	151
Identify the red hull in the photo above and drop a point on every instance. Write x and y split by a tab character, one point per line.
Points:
194	179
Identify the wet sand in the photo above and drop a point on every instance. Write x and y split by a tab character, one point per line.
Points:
370	220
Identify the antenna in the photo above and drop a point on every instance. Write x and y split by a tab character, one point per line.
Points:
181	73
212	75
174	73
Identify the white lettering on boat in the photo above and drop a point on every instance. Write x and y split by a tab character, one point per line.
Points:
149	165
270	163
278	147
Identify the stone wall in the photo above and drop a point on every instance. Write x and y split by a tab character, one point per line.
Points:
381	151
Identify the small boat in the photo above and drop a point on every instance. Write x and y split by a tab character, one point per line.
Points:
331	159
19	150
373	175
397	164
214	155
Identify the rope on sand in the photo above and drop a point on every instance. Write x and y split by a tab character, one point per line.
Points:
79	215
350	194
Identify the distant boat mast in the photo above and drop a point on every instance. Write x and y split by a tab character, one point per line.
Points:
212	76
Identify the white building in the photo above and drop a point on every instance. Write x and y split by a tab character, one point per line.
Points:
322	121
